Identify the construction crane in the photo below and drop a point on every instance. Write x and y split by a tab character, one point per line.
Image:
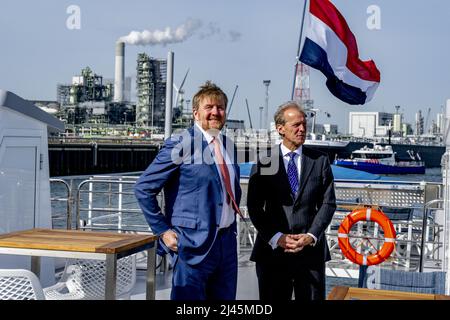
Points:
249	117
180	90
232	100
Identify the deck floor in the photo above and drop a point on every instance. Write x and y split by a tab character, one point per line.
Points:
247	282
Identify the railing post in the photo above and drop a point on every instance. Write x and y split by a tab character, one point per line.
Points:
69	206
409	245
119	204
77	222
424	232
68	200
90	202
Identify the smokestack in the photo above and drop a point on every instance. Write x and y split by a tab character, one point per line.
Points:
169	95
119	81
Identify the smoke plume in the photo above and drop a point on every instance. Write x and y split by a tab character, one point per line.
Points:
179	34
163	37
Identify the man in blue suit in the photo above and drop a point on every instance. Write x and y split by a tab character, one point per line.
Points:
199	173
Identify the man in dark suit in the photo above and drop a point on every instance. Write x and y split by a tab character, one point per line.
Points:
200	176
291	201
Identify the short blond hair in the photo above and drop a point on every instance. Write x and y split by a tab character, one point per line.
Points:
209	89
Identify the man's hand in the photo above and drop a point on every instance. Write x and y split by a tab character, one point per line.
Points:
301	240
287	242
170	239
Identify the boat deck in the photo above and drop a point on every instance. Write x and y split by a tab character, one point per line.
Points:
247	282
415	208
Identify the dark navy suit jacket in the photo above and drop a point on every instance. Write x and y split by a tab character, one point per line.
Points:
272	208
193	194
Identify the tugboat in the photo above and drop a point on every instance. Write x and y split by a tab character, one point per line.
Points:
381	160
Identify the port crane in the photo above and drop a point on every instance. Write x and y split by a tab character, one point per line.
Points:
180	90
232	100
248	111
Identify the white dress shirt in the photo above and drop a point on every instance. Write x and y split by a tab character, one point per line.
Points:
228	215
298	162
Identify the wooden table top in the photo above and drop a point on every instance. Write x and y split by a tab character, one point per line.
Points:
74	240
350	293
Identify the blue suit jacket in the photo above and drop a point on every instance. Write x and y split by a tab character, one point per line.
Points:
193	194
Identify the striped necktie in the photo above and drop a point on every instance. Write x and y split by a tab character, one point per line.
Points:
292	173
225	176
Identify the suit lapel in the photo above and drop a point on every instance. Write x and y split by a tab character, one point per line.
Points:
283	187
307	166
283	180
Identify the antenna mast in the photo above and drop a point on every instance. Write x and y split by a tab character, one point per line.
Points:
300	86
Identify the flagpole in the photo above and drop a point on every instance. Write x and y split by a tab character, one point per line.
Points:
299	48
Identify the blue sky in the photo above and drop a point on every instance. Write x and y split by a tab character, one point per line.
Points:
411	49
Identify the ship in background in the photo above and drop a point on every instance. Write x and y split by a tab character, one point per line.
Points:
406	140
381	160
106	132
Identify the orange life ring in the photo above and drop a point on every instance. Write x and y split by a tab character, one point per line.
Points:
367	214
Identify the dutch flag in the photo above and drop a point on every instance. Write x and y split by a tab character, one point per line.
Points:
331	47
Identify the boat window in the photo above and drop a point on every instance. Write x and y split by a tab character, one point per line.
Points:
371	155
378	156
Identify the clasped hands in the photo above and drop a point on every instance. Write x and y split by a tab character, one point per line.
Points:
293	243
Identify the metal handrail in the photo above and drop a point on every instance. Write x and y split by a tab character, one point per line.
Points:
426	207
419	188
69	201
80	191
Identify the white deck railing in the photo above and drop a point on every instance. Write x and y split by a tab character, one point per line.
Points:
108	203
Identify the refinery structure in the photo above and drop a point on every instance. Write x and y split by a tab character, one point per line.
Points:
92	105
151	91
107	128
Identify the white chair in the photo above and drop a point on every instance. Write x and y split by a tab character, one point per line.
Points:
19	284
85	280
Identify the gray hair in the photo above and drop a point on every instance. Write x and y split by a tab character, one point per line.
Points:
279	115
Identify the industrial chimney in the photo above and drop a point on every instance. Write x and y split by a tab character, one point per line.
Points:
120	72
169	95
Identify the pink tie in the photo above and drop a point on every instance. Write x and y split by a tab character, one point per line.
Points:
225	176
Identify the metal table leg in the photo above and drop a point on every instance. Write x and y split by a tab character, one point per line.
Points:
151	273
111	276
36	265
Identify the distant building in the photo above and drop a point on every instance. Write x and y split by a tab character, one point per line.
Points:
420	128
406	129
88	100
397	127
330	128
85	87
440	123
151	91
318	128
370	124
235	124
